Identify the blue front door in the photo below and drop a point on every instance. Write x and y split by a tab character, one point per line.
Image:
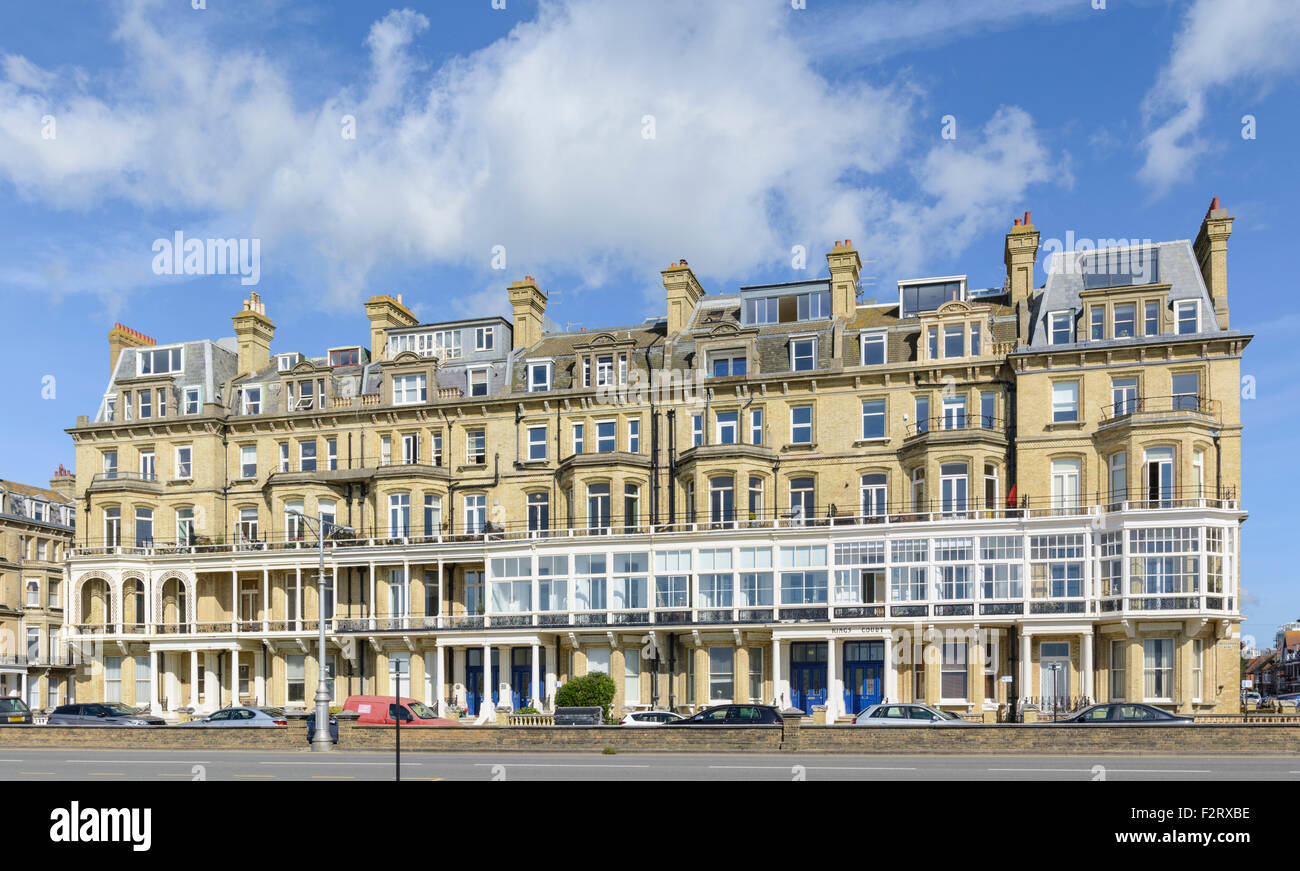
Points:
521	675
807	674
864	670
474	678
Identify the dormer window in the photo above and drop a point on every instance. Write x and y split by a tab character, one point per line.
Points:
1125	326
1187	317
872	349
539	377
803	354
725	364
159	361
251	400
345	357
925	296
1120	268
478	382
788	308
484	338
285	362
409	389
1059	324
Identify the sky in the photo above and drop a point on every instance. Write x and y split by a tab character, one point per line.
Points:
444	149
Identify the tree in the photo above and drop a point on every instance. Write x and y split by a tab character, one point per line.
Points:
589	691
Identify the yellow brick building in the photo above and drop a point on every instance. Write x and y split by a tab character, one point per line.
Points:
977	497
36	529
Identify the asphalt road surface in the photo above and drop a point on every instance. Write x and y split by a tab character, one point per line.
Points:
171	765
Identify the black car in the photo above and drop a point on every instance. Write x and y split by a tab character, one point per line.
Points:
110	714
311	727
1125	714
732	715
14	711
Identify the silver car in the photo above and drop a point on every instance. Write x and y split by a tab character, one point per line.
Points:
650	718
262	717
911	714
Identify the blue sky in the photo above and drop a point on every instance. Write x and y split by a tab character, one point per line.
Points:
525	127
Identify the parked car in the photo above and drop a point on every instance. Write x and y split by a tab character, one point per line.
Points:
1124	714
257	717
732	715
1250	696
311	727
914	714
650	718
383	710
14	711
109	714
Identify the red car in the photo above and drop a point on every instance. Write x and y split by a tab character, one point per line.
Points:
381	710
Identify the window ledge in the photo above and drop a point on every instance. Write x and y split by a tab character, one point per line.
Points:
173	481
1066	425
878	440
803	446
243	480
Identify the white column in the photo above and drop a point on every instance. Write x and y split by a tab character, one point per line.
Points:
551	674
505	668
209	680
1026	664
22	680
890	689
536	700
153	681
234	677
487	677
373	610
777	690
440	682
194	679
266	600
834	682
1085	666
234	598
297	596
259	681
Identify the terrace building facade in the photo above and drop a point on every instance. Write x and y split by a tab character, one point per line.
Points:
980	498
36	530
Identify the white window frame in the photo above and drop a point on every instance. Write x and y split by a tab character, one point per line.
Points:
534	443
192	395
484	338
874	337
795	427
410	389
1052	320
1070	409
795	341
1181	306
187	473
243	453
250	399
535	386
470	373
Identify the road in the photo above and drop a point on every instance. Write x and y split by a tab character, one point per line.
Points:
164	765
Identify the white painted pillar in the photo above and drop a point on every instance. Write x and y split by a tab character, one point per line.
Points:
373	609
209	681
194	679
487	677
1026	665
407	609
1085	666
537	694
234	677
266	599
551	676
440	682
889	692
297	597
153	681
259	680
234	599
778	691
834	682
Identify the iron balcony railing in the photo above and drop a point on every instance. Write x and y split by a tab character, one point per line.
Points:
1084	505
1178	404
956	422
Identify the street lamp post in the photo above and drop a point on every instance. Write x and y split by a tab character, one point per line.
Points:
320	739
1056	686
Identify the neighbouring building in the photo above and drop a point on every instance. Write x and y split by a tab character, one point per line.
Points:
36	530
981	498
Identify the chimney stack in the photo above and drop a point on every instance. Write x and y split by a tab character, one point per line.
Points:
529	303
254	331
684	291
119	339
64	483
386	313
1211	249
1020	254
845	266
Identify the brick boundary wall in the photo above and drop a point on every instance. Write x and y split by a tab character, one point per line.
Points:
1202	740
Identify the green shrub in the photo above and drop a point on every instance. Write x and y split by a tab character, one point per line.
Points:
589	691
527	711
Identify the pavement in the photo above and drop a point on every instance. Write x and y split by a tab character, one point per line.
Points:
156	766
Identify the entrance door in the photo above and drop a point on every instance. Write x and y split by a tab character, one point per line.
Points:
864	670
521	676
807	674
1054	674
474	678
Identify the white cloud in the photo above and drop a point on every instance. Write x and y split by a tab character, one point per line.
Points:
1220	43
534	142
